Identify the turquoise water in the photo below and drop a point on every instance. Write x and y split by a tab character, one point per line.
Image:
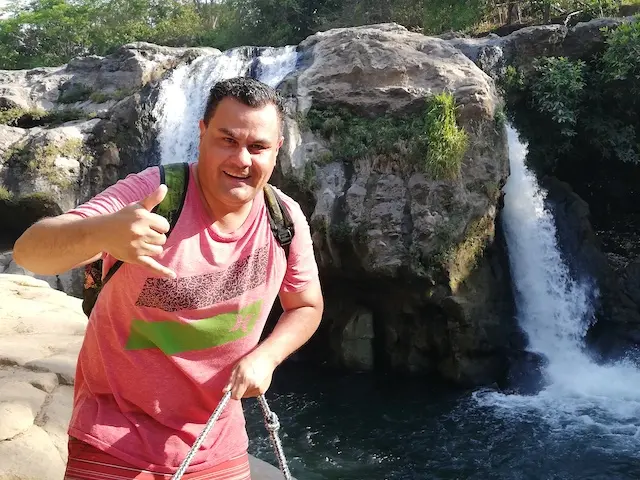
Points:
349	427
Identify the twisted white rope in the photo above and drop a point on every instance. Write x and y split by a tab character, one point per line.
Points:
270	419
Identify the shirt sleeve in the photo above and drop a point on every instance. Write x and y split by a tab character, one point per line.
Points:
302	267
133	188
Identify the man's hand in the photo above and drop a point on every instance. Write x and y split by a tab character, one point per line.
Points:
135	235
251	376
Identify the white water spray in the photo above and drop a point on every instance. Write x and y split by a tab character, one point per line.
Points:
554	310
183	96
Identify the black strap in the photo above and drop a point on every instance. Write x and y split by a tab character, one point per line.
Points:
279	219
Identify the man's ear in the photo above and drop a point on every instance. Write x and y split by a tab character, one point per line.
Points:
203	128
280	142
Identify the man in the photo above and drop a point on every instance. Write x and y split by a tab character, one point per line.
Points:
206	290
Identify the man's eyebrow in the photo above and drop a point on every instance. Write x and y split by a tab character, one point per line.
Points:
226	132
263	141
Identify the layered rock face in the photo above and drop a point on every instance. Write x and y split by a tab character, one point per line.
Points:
413	268
412	271
596	209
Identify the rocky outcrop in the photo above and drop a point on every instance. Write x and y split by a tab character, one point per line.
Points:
411	266
71	131
70	282
493	53
41	331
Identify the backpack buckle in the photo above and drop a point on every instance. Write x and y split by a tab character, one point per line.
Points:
285	236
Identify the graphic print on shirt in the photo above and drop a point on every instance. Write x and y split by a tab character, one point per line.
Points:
199	291
176	337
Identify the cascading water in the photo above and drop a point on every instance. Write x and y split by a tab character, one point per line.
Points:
183	96
555	312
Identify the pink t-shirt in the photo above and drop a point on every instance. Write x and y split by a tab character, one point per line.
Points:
158	352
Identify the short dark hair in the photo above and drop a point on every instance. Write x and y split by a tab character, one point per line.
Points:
249	91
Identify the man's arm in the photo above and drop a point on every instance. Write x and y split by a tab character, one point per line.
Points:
55	245
299	321
132	234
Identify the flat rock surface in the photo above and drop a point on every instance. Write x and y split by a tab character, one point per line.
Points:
41	331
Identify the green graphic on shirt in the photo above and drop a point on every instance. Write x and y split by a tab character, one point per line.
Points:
176	337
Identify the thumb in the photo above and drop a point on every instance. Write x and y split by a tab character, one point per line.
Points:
154	198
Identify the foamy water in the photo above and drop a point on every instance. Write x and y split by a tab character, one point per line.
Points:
555	311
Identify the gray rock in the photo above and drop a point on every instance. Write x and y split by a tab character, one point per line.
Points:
20	403
31	456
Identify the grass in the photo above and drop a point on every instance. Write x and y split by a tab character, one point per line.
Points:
429	139
25	118
446	142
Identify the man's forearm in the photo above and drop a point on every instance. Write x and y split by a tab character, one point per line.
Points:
55	245
294	328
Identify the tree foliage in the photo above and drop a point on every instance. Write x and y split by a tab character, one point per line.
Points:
50	32
571	111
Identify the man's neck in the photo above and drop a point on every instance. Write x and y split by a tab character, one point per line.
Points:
225	219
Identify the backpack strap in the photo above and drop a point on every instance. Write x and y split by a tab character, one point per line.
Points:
176	177
279	218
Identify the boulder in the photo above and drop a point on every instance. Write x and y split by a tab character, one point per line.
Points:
416	253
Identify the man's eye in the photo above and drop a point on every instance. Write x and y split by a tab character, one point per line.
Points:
257	146
228	140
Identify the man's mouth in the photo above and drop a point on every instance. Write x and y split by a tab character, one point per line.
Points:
237	176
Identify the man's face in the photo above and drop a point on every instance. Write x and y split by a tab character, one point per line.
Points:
238	150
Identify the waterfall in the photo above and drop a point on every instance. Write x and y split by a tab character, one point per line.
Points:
183	96
555	311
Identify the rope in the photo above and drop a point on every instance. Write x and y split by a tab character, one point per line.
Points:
273	425
270	420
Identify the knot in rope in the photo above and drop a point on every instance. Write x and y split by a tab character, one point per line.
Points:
271	420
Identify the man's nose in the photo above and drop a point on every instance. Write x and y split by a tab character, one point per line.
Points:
243	157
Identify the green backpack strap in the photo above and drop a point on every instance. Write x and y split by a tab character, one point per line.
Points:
279	218
176	177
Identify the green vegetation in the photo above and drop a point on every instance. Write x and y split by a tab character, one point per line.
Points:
51	32
429	139
102	97
446	142
75	93
570	110
40	160
5	195
19	117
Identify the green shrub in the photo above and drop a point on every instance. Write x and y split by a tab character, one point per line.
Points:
20	117
620	63
5	194
557	90
429	139
571	111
